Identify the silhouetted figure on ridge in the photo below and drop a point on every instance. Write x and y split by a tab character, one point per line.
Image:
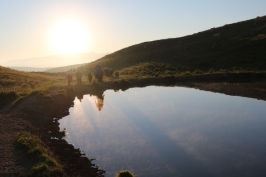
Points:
79	75
69	78
89	77
98	73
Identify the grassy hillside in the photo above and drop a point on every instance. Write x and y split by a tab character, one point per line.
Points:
26	81
240	47
14	84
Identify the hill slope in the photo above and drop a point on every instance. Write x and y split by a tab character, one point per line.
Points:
239	46
25	82
63	68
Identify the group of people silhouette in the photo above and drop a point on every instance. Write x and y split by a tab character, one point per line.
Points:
98	74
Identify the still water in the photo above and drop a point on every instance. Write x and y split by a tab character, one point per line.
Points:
170	131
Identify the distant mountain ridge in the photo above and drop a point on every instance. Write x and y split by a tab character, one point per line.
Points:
64	68
55	60
29	69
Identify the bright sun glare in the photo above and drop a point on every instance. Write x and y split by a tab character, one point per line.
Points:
69	37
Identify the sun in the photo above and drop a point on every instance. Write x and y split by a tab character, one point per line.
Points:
69	37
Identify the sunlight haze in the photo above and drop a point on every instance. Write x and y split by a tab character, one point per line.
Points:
34	29
69	37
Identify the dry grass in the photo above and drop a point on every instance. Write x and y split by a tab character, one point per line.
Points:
25	82
14	85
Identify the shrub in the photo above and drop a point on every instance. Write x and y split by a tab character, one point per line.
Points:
124	173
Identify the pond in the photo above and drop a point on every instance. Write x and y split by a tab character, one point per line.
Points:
170	131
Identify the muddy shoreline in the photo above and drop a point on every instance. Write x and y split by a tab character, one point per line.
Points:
44	113
44	110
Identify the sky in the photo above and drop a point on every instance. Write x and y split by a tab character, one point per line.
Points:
37	28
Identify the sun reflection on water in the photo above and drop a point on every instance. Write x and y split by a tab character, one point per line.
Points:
155	134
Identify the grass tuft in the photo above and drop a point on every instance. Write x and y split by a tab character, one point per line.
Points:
45	163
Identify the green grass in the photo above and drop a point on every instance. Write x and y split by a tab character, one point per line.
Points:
45	164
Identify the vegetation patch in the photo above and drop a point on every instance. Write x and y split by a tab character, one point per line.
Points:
6	96
124	173
27	82
239	48
45	164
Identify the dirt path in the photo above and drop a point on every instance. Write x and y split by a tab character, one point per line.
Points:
12	161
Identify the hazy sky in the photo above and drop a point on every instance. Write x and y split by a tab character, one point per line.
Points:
26	26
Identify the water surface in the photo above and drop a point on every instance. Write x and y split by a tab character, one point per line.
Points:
170	131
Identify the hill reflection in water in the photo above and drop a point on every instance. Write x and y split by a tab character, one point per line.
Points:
170	131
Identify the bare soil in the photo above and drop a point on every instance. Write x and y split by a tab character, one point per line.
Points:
13	161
